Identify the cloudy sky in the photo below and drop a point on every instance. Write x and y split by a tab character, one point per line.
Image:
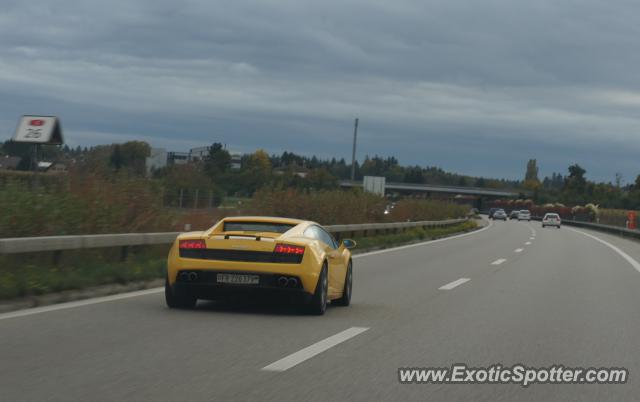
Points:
476	87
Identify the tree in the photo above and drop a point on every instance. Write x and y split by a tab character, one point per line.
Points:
575	185
131	156
116	157
531	180
576	176
218	161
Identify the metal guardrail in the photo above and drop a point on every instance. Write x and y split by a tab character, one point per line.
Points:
59	243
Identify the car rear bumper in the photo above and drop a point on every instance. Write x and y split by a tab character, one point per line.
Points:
205	285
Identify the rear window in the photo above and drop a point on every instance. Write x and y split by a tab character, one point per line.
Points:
552	216
257	227
524	211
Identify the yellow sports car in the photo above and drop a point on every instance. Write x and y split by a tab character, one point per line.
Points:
260	254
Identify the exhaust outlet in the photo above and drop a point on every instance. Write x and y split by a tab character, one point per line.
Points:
292	282
282	281
193	276
184	276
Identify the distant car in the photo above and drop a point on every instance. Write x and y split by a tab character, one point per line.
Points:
524	215
492	211
500	214
551	220
514	214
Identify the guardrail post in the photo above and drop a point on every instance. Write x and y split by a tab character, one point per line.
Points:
124	253
57	255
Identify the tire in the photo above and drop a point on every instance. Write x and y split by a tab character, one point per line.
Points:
318	303
345	300
177	299
543	226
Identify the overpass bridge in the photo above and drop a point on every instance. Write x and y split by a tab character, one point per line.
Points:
477	194
430	188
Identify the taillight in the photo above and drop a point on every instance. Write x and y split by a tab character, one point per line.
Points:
192	244
288	249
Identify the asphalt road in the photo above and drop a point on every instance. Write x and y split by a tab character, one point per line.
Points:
565	298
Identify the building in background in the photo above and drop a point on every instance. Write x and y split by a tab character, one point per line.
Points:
157	159
177	158
199	153
236	160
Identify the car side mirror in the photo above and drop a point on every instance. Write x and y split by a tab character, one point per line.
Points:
348	243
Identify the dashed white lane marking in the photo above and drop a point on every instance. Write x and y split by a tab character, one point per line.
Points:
518	250
532	238
64	306
454	284
624	255
310	351
499	261
527	243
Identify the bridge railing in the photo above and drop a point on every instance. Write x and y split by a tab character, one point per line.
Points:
78	242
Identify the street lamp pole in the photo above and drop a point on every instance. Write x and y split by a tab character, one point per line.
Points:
353	154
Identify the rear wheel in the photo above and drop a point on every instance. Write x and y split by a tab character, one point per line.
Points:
318	303
345	300
176	299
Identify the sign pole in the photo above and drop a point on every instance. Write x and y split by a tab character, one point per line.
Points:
353	153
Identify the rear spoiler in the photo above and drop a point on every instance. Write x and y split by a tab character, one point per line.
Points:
228	236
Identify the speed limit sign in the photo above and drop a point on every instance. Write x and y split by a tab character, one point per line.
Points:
39	130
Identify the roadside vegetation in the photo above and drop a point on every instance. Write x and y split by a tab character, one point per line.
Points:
413	235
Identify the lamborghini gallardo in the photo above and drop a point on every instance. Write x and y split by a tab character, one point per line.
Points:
260	255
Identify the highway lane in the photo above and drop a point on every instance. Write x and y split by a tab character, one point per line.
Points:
565	298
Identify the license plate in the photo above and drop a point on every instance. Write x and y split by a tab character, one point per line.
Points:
238	279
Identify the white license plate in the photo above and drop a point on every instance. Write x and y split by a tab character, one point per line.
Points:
238	279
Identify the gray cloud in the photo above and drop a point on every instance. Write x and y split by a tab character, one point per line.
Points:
477	87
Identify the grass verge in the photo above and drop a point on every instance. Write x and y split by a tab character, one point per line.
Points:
411	236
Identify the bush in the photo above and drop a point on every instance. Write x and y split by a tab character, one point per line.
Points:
80	204
325	207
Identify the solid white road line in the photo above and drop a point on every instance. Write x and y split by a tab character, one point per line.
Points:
624	255
454	284
313	350
527	243
64	306
499	261
518	250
